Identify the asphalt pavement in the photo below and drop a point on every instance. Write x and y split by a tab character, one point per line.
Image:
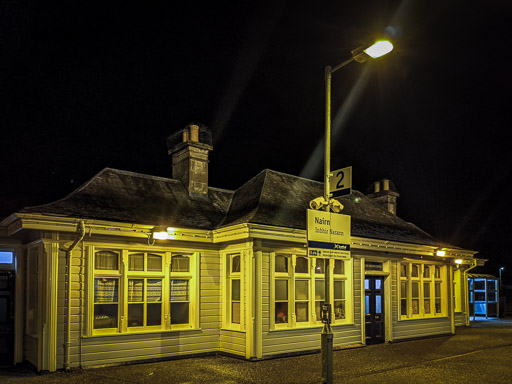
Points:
479	353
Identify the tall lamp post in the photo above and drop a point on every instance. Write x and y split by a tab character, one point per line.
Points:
378	49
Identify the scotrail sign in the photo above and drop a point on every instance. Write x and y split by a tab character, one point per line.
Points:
328	234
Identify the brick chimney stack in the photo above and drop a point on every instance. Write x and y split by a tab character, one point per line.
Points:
384	193
189	150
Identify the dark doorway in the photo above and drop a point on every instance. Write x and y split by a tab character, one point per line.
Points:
374	309
6	318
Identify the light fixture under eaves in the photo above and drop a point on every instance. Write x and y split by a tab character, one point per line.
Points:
169	234
440	252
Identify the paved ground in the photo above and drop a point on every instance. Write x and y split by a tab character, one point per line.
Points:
480	353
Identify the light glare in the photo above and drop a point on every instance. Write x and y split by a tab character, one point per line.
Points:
441	253
380	48
160	235
458	261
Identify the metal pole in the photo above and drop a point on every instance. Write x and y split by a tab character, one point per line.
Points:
327	336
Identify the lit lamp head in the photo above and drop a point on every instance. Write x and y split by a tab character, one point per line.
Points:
441	253
378	49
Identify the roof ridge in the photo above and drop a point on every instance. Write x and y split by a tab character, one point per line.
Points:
72	193
294	176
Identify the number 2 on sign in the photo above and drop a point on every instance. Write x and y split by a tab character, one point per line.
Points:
339	184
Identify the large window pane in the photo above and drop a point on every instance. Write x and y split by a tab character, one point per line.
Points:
135	315
281	263
403	307
154	315
281	290
179	313
426	290
426	304
154	290
301	265
235	264
235	312
403	270
403	289
106	293
180	264
135	290
479	296
106	260
154	263
106	290
179	290
415	289
235	290
136	262
415	270
339	267
320	266
281	312
105	316
339	290
339	309
301	290
319	290
438	289
301	312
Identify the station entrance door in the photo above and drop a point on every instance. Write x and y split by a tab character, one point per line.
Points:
374	309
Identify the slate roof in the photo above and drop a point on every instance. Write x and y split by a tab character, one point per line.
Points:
270	198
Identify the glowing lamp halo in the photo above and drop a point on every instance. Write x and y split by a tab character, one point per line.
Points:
379	48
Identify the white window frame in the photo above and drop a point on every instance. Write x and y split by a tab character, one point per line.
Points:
228	277
312	277
432	279
123	274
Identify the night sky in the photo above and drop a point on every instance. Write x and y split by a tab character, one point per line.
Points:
88	85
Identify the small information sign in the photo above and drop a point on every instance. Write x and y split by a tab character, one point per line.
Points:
341	180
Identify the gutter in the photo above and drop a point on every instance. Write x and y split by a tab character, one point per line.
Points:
67	336
466	296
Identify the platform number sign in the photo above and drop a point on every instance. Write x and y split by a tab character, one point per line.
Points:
341	180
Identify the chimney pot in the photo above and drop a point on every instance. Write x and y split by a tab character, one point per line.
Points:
194	133
384	193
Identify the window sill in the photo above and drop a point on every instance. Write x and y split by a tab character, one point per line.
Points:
424	318
148	332
315	326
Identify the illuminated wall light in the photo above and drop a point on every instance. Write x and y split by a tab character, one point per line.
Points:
170	234
440	253
458	261
160	235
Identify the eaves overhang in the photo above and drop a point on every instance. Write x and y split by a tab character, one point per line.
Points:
29	221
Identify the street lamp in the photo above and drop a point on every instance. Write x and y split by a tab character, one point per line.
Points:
378	49
501	269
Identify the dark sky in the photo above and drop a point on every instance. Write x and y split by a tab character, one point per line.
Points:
87	85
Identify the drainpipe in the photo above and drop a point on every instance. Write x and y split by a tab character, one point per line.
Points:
467	292
67	337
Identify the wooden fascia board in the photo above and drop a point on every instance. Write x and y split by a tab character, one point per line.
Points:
100	227
407	248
